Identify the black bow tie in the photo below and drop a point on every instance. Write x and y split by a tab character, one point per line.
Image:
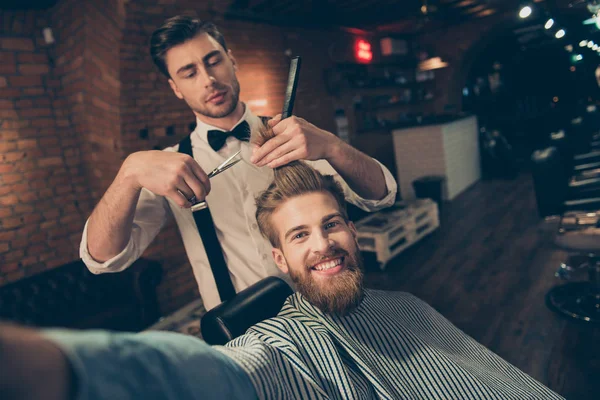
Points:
217	139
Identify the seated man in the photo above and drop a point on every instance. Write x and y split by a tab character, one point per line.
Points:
331	339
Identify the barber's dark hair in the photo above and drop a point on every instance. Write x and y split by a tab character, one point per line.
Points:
175	31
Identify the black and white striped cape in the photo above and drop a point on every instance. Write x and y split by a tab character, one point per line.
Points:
393	346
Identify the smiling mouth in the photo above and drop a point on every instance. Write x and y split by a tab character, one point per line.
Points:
328	265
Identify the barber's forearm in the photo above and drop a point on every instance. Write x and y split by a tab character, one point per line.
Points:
109	227
362	174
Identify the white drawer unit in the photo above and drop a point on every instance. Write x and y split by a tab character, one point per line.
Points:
390	231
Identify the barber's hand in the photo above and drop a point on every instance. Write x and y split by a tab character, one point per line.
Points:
173	175
295	139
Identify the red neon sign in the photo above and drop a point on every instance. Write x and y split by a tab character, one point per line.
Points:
362	50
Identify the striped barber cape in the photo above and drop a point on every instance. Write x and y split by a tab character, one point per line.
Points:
393	346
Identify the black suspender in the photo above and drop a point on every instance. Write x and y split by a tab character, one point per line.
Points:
206	228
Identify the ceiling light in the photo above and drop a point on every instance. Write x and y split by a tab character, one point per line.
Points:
595	47
583	43
578	57
432	63
560	33
549	23
525	12
590	44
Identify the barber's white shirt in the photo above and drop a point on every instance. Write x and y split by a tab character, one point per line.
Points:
232	205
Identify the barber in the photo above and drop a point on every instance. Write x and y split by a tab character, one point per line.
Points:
151	185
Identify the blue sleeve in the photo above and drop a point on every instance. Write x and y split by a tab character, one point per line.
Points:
149	365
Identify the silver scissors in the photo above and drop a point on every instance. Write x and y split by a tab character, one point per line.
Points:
230	162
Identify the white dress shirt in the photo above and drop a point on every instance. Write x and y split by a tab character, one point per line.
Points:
232	206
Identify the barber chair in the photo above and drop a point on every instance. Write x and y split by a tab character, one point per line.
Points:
555	193
579	232
252	305
579	145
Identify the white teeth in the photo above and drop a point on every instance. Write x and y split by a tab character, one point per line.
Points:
328	264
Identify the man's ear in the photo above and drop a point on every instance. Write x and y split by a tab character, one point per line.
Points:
233	60
175	89
280	260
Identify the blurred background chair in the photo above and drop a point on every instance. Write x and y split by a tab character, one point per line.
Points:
579	232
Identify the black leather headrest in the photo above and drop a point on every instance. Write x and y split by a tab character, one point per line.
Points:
252	305
549	181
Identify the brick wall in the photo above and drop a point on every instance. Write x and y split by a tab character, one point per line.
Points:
43	193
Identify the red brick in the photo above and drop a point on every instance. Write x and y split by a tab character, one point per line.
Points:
41	101
34	90
49	161
7	146
10	157
6	168
29	260
52	151
24	81
14	255
23	44
38	184
7	57
33	69
24	209
7	69
8	114
5	268
7	235
28	197
24	103
7	104
19	187
20	243
37	237
42	122
5	212
13	124
48	225
14	276
8	92
12	178
8	134
50	141
32	218
26	144
4	247
35	112
9	200
46	193
31	58
3	82
47	256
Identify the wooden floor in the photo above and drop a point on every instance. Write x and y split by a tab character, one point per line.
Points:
487	269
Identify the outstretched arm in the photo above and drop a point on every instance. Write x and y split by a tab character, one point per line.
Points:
95	365
32	367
